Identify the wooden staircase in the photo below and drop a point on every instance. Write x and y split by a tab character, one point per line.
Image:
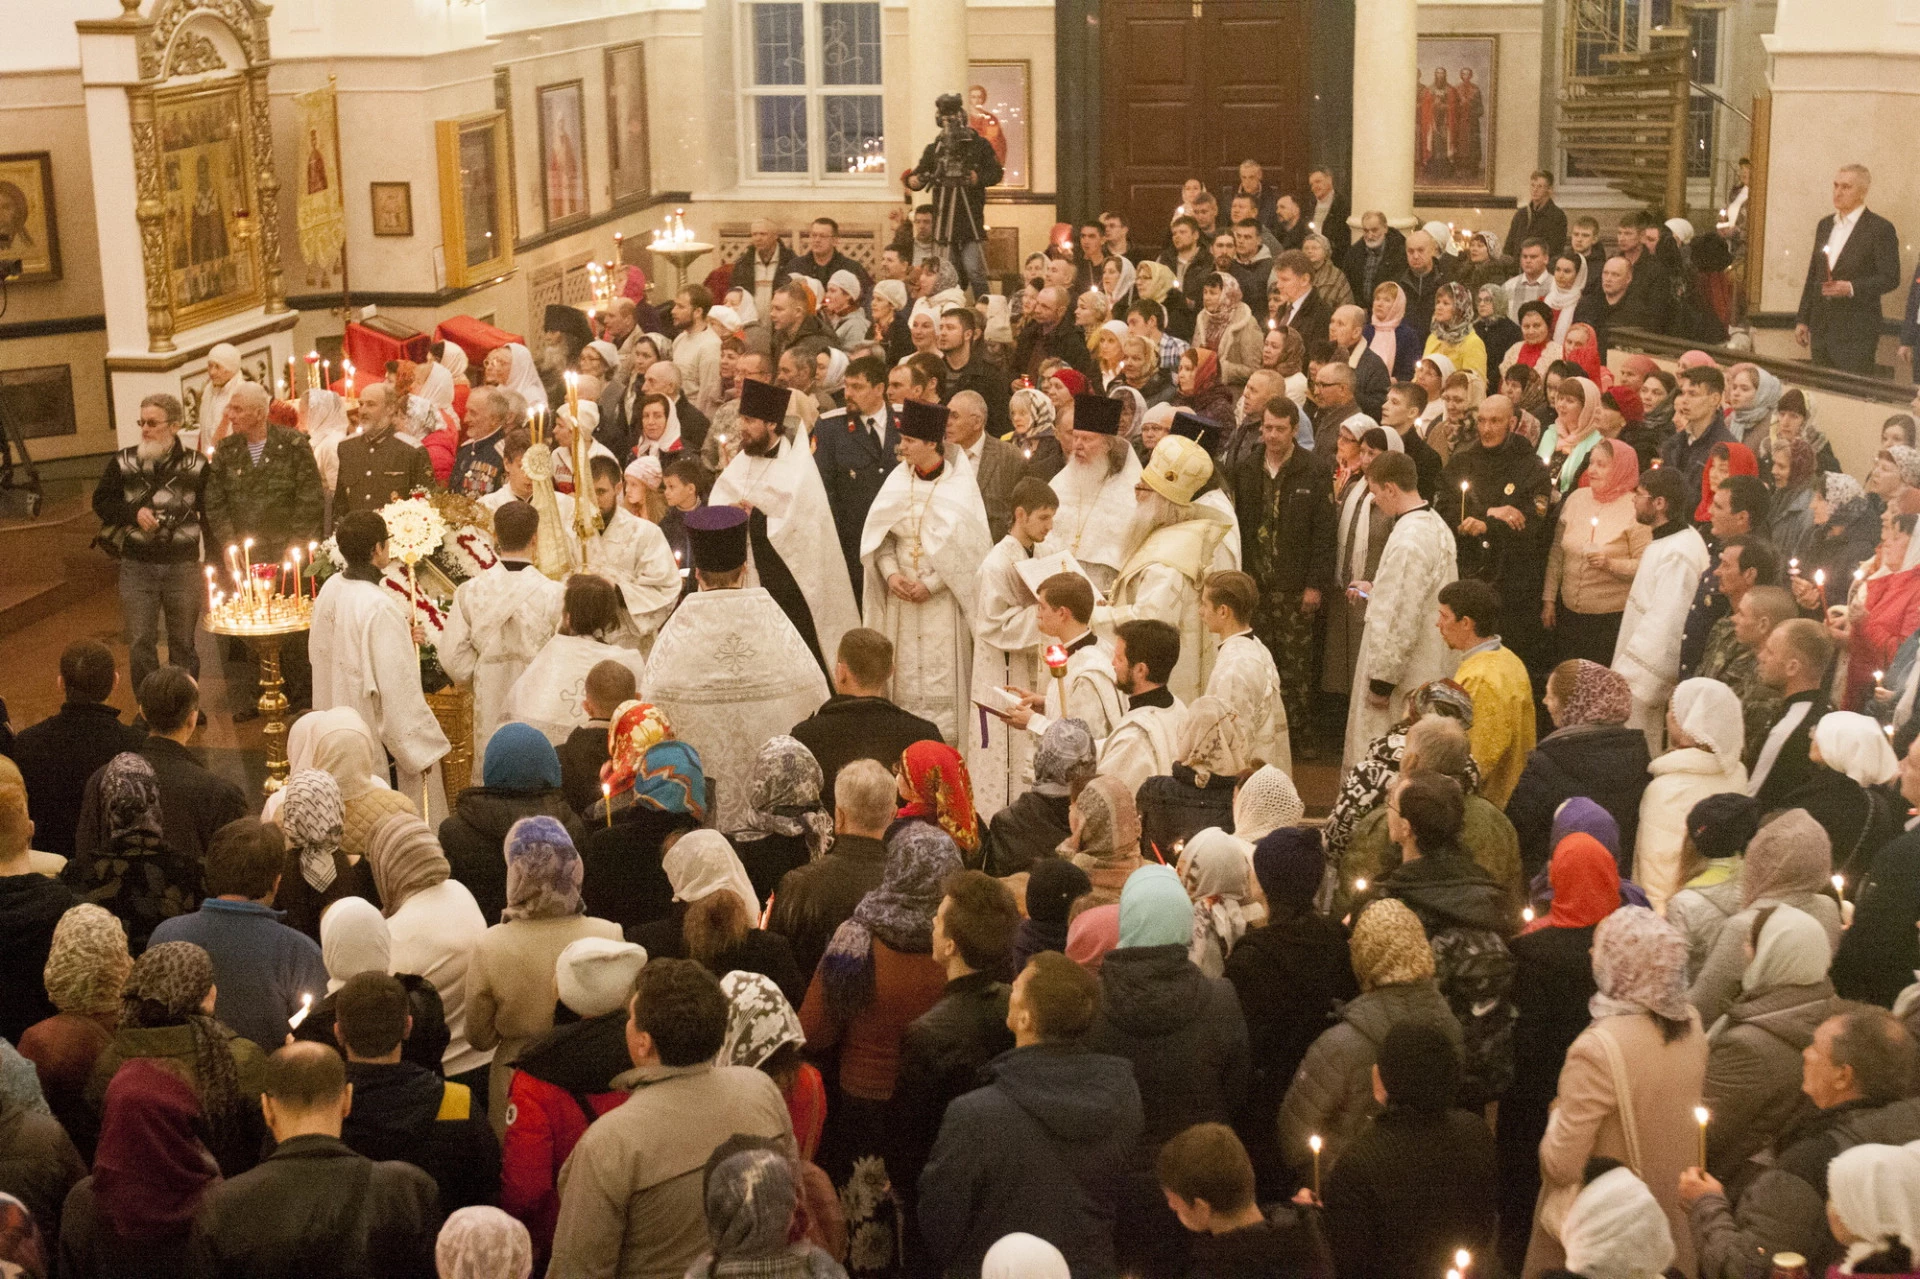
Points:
1626	120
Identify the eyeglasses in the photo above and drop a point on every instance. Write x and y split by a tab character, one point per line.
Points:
1321	386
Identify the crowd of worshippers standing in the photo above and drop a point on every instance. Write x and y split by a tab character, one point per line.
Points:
1600	963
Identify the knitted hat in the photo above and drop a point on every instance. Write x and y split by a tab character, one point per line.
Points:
1289	864
596	974
846	281
1053	884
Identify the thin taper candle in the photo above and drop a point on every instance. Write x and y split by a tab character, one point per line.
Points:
1701	1117
606	801
1314	1144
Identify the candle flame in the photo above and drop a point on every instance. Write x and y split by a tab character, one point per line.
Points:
1314	1143
1463	1259
1700	1115
1360	885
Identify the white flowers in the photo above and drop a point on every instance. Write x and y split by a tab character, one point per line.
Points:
414	529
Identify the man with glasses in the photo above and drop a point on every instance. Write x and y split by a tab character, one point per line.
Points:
1335	408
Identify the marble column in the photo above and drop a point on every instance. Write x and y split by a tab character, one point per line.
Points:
936	64
1385	71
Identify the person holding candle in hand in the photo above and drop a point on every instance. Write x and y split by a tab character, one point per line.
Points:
1595	553
1500	519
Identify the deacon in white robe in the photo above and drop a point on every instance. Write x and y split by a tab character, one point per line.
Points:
1146	741
635	556
1096	516
1244	675
551	692
1401	647
729	670
1647	654
922	545
364	658
1007	643
499	622
795	549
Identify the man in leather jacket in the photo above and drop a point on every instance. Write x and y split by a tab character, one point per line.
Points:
150	504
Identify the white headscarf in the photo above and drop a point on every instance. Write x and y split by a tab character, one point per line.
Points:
1266	802
746	308
1854	744
524	378
453	358
1793	951
303	746
226	355
1023	1256
437	390
644	447
1565	303
1217	870
1875	1189
1616	1229
1127	277
701	863
354	940
1708	711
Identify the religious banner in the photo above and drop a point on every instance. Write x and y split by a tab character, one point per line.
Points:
321	207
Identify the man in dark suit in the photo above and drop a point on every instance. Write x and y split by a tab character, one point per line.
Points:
377	466
966	366
854	449
764	267
1330	210
1618	305
1793	662
1301	307
1856	258
1539	218
1379	255
997	465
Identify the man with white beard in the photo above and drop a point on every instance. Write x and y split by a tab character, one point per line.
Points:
924	539
499	622
633	554
1007	643
795	548
1095	488
1175	543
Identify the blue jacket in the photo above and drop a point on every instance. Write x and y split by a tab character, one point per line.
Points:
261	967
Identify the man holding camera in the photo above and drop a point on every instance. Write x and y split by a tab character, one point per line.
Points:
957	168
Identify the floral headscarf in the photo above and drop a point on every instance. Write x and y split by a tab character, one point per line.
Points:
1639	965
1389	946
88	963
1105	823
1213	741
784	796
635	727
1600	696
165	988
942	792
760	1021
899	912
670	780
1456	332
1842	490
1064	756
543	871
314	818
483	1242
1039	410
130	798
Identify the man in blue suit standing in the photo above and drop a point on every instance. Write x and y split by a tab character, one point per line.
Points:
854	449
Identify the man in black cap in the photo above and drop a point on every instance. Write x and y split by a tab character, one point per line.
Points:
796	549
1497	497
729	669
924	539
1095	487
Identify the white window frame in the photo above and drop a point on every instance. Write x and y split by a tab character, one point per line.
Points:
815	90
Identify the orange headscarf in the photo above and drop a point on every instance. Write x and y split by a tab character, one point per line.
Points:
942	792
1740	461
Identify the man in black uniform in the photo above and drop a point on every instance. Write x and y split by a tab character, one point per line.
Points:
1498	497
853	447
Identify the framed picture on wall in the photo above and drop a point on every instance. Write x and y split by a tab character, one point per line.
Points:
476	204
28	230
1000	109
627	156
39	401
1453	115
206	191
563	152
392	207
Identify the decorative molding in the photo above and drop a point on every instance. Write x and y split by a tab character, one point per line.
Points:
151	215
374	297
24	329
194	54
245	19
175	359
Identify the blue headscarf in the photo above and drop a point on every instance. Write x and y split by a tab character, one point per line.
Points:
519	757
670	779
1155	909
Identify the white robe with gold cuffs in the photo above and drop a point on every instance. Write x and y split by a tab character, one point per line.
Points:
1162	581
1006	653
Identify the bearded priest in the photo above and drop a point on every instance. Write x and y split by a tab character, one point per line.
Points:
1095	489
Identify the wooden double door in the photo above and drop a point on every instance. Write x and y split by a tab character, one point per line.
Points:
1190	88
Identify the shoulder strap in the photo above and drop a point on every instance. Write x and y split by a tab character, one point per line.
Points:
456	1102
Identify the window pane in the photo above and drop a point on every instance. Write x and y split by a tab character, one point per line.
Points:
780	135
850	43
1700	137
779	44
855	142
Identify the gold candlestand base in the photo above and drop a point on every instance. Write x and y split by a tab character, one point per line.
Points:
264	639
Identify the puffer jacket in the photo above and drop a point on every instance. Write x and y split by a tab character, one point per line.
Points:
173	485
1754	1070
1703	907
38	1165
1717	986
1332	1093
1606	763
474	836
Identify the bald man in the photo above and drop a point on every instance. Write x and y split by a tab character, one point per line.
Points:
766	266
1371	377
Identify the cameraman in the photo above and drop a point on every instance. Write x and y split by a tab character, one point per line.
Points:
957	168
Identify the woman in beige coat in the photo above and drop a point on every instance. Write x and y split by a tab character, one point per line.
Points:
1630	1083
510	991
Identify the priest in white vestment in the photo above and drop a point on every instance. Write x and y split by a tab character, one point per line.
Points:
1146	741
1178	544
1006	652
795	549
921	548
1401	647
1244	675
1078	665
1228	558
1095	489
729	670
499	622
551	694
634	555
1647	654
365	659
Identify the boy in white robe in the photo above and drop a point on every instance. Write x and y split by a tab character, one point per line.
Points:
1084	688
499	622
1095	488
1006	651
1144	743
1244	675
634	555
921	547
551	693
1647	654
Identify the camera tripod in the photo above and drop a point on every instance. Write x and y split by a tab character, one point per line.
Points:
19	497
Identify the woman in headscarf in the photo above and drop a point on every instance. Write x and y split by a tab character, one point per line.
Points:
1723	460
1284	351
1591	752
1630	1083
1053	885
1595	552
1092	933
1705	734
935	790
659	433
521	375
1793	420
787	824
657	789
134	873
1116	282
1208	760
1657	391
1789	863
1197	382
1752	396
763	1033
447	400
1497	332
1846	790
1794	472
1564	294
86	967
1032	827
354	940
131	1218
1452	332
1581	348
1329	281
1133	417
323	417
521	777
1140	369
434	925
877	977
1228	328
317	873
716	913
482	1242
344	747
1567	444
1616	1229
1753	1049
1032	415
1217	870
1023	1256
1845	531
1873	1208
166	1012
1266	801
1534	347
1552	983
1365	786
509	986
753	1199
1105	838
1883	612
1388	335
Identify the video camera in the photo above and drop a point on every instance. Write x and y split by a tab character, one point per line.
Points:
950	148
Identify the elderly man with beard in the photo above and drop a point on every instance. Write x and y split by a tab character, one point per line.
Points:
149	500
1176	544
1497	497
1095	521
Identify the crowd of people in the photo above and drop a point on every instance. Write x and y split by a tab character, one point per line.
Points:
886	857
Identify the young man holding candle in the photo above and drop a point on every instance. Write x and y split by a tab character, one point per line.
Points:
634	555
1007	648
1079	666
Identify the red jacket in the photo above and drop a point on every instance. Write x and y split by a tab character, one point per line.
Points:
1893	613
441	445
571	1067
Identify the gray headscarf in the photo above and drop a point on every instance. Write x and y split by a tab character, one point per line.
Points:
1065	756
784	796
314	818
483	1243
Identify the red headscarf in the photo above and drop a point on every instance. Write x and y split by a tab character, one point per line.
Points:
1072	379
635	727
1586	884
1624	475
151	1169
942	792
1637	367
1587	356
1626	398
1206	369
1740	461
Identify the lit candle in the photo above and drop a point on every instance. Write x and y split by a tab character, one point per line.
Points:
1793	567
1840	887
1593	532
606	800
210	590
326	374
1877	677
573	396
1314	1144
1701	1117
294	554
1463	1261
1526	914
1464	484
306	1006
291	366
246	563
313	558
1360	885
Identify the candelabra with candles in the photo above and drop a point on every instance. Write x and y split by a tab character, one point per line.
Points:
677	243
269	602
